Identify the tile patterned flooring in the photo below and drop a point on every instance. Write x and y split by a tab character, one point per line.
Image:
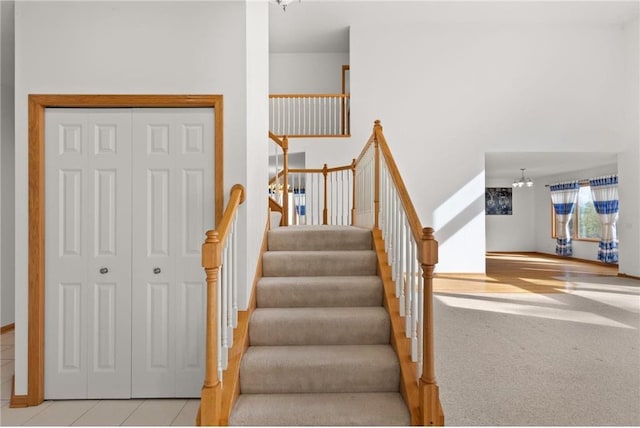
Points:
160	412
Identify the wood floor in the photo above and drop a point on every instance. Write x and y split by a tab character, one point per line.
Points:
522	273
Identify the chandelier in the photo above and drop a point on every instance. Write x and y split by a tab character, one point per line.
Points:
521	182
285	3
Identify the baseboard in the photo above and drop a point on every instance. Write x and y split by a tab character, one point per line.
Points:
7	328
17	401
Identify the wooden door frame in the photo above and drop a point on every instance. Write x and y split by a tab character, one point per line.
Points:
37	106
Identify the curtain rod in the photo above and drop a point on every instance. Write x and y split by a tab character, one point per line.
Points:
583	181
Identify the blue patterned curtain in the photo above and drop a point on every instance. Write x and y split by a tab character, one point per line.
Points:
604	191
564	197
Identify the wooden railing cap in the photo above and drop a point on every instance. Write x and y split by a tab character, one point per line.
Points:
243	192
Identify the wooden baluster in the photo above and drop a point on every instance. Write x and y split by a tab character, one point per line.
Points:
285	184
376	195
429	394
211	393
353	192
324	210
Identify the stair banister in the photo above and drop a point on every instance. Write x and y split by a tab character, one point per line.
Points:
284	145
214	251
412	253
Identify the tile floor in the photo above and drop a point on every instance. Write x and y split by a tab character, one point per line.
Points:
161	412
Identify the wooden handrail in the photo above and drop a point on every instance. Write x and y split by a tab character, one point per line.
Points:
412	216
427	248
212	248
275	139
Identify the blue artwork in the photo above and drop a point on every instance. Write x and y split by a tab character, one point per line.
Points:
498	201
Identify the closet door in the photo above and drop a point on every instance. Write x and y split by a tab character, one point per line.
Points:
88	253
173	197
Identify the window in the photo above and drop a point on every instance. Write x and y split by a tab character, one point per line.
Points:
584	224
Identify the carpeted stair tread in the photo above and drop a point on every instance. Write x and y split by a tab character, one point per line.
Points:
319	351
310	369
318	238
319	291
341	409
318	263
319	326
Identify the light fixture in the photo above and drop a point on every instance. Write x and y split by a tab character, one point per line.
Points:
285	3
521	182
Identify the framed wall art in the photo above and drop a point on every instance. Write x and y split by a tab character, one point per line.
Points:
498	201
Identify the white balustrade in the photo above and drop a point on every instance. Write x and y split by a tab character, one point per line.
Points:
309	115
400	244
227	288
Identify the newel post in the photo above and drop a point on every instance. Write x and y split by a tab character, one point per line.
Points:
285	182
353	194
429	395
377	130
325	212
211	399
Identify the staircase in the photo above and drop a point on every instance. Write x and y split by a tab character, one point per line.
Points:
319	349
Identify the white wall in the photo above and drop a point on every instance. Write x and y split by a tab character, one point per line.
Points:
312	73
7	291
449	92
514	232
586	250
257	147
628	161
174	47
306	73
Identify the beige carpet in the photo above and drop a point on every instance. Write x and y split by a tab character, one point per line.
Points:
319	349
563	359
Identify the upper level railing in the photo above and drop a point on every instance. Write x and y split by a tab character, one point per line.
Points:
219	259
310	115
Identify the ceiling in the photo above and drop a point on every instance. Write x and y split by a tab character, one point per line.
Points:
322	26
507	165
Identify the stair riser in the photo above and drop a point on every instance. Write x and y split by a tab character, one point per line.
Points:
319	292
382	409
334	326
312	263
261	373
319	238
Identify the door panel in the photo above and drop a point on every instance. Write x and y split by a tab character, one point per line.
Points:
174	169
109	267
129	198
88	224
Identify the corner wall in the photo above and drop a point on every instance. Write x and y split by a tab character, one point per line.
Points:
629	160
154	47
447	93
7	259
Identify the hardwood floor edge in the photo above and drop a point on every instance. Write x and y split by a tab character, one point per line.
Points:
401	345
624	275
554	256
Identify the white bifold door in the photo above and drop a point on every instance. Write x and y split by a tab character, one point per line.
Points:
129	197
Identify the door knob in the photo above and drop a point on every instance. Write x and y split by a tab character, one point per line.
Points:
156	270
104	270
